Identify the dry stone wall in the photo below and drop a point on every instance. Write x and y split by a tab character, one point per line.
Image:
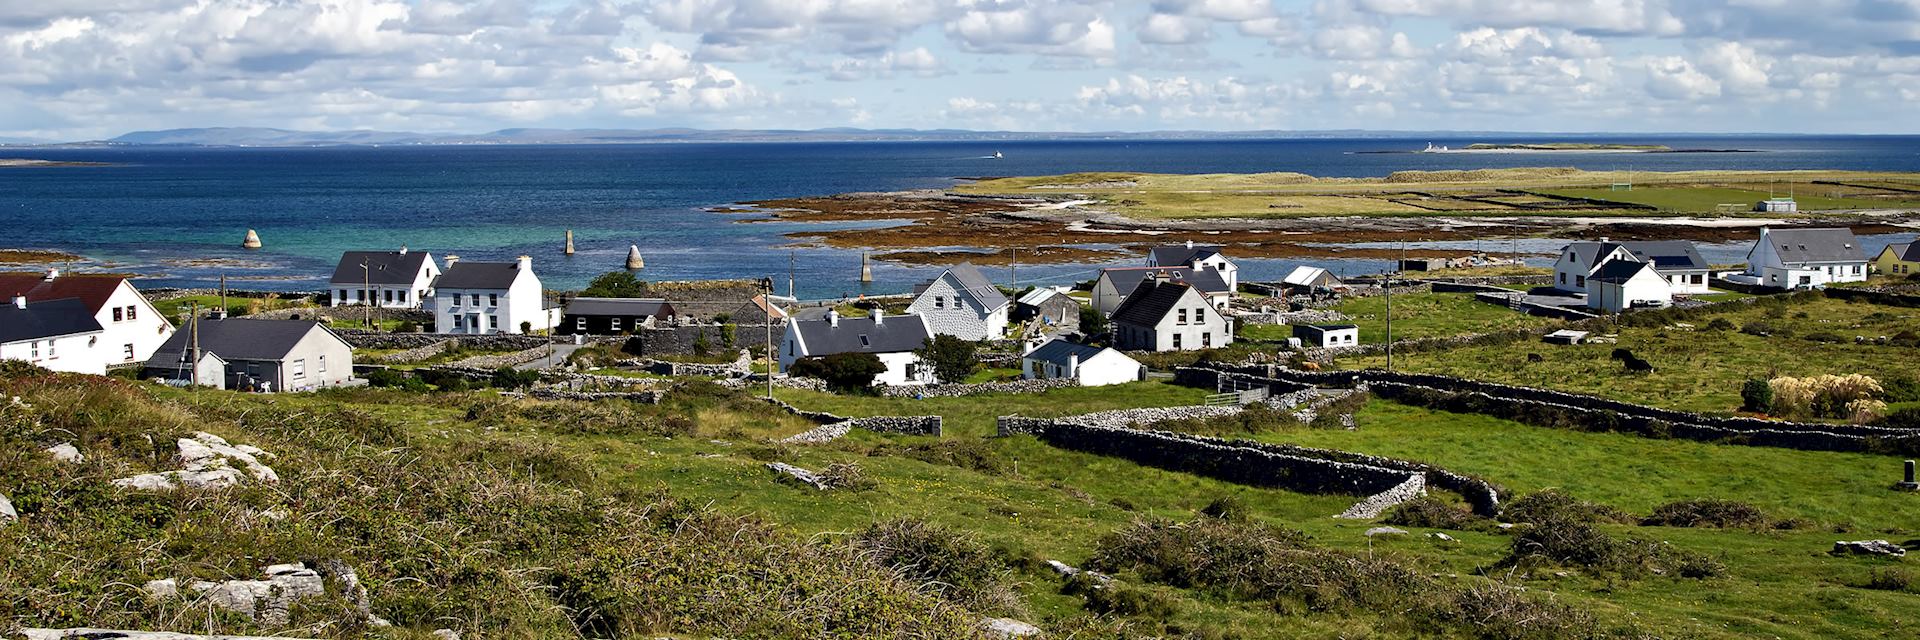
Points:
961	390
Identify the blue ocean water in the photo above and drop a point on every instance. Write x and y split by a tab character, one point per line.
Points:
176	215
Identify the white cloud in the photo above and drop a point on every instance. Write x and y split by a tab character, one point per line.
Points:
1673	78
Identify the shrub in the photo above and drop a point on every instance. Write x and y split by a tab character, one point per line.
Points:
1123	600
1851	396
952	359
1225	508
1901	388
511	378
1890	579
1907	418
1720	324
1756	395
1559	539
1760	328
951	563
1708	512
1433	513
615	284
843	475
1824	336
844	372
1552	504
973	454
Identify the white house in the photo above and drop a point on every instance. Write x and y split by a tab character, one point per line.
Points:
892	339
1091	366
57	335
1676	261
1806	258
394	279
490	297
131	327
1200	258
1620	285
258	355
963	303
1327	335
1163	315
1777	205
1115	284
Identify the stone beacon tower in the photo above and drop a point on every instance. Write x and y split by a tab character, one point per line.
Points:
252	241
634	261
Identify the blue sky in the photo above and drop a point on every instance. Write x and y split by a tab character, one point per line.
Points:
77	69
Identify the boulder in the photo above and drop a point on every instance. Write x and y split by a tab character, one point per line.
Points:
445	634
351	588
210	463
1386	531
1005	628
7	514
66	452
1867	548
162	589
1440	536
1068	571
264	601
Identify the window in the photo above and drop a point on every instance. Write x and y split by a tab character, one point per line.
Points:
456	322
50	354
299	369
389	296
126	351
790	345
613	324
493	299
1183	316
1579	281
1206	339
864	342
1856	271
403	297
35	350
476	299
1563	278
939	302
579	324
1176	341
1699	279
323	364
118	314
342	297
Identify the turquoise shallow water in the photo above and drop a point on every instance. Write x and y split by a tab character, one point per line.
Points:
166	212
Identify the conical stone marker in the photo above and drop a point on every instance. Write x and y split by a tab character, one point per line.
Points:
252	241
866	268
634	261
569	242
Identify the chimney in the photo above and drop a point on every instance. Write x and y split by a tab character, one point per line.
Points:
19	302
52	274
833	318
451	259
525	263
1073	365
1604	239
403	249
879	316
1189	244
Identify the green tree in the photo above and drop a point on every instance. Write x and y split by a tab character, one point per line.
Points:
952	359
616	284
1092	322
844	372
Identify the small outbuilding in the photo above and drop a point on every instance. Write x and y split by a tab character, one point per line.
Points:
1305	279
612	316
1327	335
1091	366
1049	306
1777	205
1620	285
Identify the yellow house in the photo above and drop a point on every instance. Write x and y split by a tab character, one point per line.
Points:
1898	260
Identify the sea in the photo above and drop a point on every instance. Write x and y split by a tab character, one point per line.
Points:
176	215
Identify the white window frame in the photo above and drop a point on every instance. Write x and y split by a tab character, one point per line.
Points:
323	364
297	369
613	324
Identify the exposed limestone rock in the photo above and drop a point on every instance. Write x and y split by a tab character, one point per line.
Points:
823	433
265	601
1868	548
798	474
66	452
85	633
1008	628
7	514
446	634
1440	536
209	461
162	589
351	588
1386	531
1068	571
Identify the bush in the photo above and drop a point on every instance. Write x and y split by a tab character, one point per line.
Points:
1122	599
1760	328
951	563
1907	418
841	475
1824	336
1551	504
844	372
1900	388
391	378
1756	395
616	284
511	378
1225	508
1720	324
1433	513
1709	512
952	359
1890	579
1561	540
1852	396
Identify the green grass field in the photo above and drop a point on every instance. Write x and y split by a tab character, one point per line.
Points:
1429	315
1707	199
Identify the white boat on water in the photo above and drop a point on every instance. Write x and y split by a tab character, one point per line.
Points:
1433	148
997	155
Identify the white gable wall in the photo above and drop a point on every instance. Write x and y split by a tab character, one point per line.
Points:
951	310
140	328
1645	288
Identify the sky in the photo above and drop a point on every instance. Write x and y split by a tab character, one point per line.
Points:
88	69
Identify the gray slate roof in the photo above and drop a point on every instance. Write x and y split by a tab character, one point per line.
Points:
237	339
1816	245
45	319
1906	251
1318	331
1182	254
1618	271
478	275
1125	279
1057	351
657	307
383	267
861	335
1671	255
975	284
1150	302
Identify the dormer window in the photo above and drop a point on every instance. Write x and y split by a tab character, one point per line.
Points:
864	342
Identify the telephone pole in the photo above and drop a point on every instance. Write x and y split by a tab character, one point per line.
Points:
766	322
194	321
1013	268
366	291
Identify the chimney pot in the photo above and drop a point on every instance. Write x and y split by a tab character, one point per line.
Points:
879	316
451	259
19	302
1605	239
52	274
524	263
403	249
833	318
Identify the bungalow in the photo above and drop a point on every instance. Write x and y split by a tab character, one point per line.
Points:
894	340
612	316
1898	260
1620	285
961	302
1091	366
257	355
490	297
57	335
1165	315
1305	279
392	279
131	327
1049	306
1676	261
1327	335
1806	258
1115	284
1199	258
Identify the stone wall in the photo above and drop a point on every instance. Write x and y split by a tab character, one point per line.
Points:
363	339
682	339
1875	297
353	314
650	396
498	360
959	390
833	426
736	369
706	299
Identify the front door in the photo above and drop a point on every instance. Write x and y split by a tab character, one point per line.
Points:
473	324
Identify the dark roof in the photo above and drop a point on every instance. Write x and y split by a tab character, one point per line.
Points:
1906	251
1672	255
1126	278
1150	302
478	275
975	284
1618	271
657	307
1057	351
383	267
1318	331
91	290
1182	254
237	339
45	319
860	335
1816	245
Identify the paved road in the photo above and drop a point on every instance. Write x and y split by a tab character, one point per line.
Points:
559	358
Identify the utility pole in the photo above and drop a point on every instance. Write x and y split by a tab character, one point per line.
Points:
1013	268
194	320
792	257
366	292
223	295
766	322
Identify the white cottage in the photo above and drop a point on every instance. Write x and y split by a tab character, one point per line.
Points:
131	328
1676	261
490	297
1806	258
961	302
893	339
1091	366
393	279
1620	285
1199	258
1163	315
57	335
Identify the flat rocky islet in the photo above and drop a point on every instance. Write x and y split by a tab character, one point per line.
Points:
8	163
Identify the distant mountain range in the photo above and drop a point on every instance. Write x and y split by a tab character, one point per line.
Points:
268	137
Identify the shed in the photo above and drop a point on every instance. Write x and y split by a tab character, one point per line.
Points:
1327	335
1305	279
